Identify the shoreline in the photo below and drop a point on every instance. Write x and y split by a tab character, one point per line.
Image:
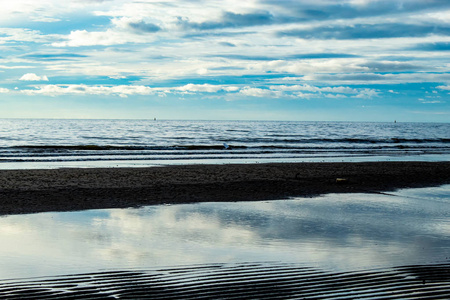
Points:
39	190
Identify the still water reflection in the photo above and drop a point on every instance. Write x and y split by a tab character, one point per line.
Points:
336	232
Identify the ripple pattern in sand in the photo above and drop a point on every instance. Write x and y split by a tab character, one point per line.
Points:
239	281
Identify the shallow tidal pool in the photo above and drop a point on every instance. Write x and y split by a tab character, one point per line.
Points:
337	232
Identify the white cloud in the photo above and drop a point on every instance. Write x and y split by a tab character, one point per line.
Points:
326	92
430	101
335	96
305	95
312	66
124	30
21	8
45	19
442	16
79	38
444	87
375	78
14	67
367	93
48	10
231	88
33	77
81	89
295	91
125	90
258	92
208	88
9	35
3	90
339	90
114	36
315	89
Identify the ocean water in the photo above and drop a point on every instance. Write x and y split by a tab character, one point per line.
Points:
29	143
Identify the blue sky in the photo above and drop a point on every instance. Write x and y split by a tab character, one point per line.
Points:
350	60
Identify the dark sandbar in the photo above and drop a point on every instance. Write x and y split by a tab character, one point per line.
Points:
30	191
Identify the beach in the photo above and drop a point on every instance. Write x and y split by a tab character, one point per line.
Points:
70	189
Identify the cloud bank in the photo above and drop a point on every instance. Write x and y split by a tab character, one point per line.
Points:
389	52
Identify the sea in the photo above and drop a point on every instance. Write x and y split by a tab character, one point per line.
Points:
56	143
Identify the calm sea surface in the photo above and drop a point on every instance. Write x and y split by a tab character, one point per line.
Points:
29	143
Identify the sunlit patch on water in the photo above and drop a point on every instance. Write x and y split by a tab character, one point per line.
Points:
339	233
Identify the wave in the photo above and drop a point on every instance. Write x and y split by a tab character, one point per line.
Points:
255	148
78	147
341	140
124	147
240	144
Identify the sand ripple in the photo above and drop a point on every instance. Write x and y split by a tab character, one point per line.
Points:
239	281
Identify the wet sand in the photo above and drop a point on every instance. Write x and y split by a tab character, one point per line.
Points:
30	191
239	281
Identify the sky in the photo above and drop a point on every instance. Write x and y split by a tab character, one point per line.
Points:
311	60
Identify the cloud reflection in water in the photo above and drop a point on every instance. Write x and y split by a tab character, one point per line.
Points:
340	232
